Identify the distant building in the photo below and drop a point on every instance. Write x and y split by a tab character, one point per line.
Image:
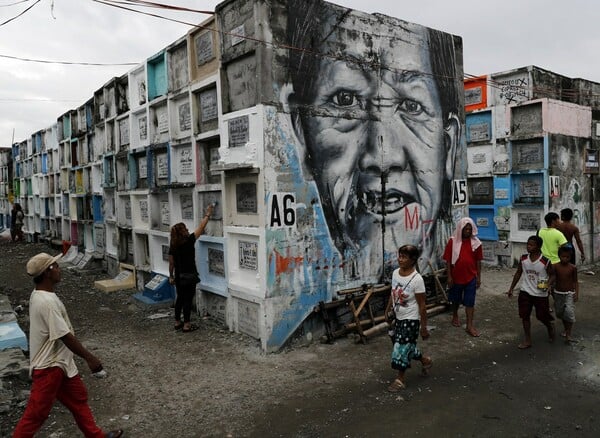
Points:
532	147
6	194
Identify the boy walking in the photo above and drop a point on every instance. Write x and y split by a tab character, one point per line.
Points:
552	237
539	276
566	290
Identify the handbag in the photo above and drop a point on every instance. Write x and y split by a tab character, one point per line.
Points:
187	279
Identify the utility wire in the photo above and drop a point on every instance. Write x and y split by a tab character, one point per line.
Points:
491	82
159	6
12	4
572	93
567	93
18	15
38	100
68	62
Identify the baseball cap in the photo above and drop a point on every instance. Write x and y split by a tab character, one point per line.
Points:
40	262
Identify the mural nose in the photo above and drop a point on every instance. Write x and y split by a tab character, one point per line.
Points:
384	150
371	160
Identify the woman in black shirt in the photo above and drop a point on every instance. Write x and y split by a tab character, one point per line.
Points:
182	268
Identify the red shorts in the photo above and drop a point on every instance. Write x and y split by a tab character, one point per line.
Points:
542	307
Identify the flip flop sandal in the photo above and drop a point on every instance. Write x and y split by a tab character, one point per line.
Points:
192	328
114	434
396	386
178	326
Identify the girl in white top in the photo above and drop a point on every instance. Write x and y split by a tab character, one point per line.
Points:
407	300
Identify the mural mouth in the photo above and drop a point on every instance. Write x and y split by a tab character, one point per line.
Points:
395	200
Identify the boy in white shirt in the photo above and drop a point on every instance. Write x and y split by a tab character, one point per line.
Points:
538	278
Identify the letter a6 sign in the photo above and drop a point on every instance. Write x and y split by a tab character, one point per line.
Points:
282	210
459	192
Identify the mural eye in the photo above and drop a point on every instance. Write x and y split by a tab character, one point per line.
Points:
410	107
345	98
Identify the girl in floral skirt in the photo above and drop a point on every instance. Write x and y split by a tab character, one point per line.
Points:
407	300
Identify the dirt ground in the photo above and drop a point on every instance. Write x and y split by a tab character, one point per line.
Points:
214	383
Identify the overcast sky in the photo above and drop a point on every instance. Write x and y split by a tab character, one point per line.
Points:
561	36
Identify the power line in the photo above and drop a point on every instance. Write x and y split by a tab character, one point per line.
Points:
117	4
159	6
18	15
68	62
38	100
572	93
12	4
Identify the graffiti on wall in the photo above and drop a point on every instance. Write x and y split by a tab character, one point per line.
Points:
377	116
567	160
510	89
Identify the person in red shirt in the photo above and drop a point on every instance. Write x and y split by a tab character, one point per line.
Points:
463	255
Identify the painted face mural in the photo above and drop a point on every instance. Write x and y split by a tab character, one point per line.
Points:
374	105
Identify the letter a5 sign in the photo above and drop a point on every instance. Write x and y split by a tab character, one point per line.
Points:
554	187
459	192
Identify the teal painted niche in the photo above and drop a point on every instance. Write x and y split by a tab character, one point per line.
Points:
157	76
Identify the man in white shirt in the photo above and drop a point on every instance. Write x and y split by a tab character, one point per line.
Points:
52	367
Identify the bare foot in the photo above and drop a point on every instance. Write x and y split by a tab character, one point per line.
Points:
551	333
455	321
426	364
524	346
473	332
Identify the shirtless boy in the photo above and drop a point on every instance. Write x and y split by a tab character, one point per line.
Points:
566	290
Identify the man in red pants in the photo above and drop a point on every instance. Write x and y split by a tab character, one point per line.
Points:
52	368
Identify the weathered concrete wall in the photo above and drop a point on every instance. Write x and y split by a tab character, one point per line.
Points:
587	92
540	116
510	87
568	119
363	121
574	187
547	84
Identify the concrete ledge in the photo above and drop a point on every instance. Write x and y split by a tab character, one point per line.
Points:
149	302
11	336
6	311
14	363
124	280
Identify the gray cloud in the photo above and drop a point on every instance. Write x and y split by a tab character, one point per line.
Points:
558	36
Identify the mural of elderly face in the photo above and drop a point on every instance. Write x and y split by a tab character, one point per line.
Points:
377	116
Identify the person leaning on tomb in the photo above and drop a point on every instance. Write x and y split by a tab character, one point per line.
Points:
367	110
182	269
